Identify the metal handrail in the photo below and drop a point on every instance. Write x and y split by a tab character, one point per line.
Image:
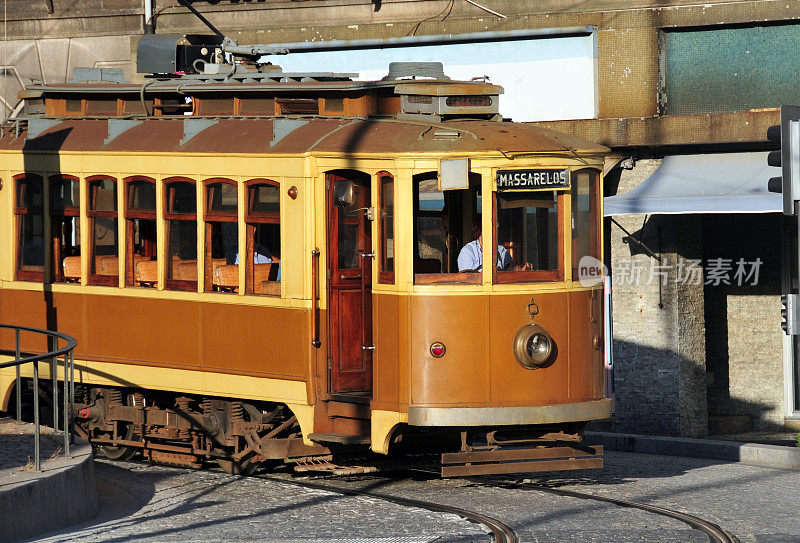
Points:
68	354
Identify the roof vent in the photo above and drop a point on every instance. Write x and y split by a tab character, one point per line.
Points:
414	70
99	75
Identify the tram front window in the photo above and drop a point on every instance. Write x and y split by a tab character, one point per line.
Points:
528	243
444	222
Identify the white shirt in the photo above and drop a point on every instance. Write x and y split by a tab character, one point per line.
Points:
471	257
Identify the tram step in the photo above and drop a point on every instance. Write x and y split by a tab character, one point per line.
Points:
518	460
340	438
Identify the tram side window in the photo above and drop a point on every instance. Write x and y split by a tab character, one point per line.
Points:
104	240
141	251
263	250
585	231
29	211
386	227
444	222
65	229
528	241
181	232
222	236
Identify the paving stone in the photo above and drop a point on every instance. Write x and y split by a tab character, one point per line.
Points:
155	503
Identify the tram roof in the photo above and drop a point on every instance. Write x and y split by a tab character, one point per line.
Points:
290	135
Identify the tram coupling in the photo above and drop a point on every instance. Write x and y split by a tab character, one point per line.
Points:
493	453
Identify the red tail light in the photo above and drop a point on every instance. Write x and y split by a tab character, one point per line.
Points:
437	349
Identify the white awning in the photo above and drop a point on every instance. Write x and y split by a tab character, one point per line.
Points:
711	183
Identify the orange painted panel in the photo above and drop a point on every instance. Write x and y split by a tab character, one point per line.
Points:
511	384
52	311
144	330
459	377
261	340
582	377
386	360
598	367
404	356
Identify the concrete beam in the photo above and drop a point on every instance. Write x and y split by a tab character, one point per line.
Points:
708	129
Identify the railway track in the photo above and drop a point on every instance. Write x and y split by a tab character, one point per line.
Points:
501	532
715	533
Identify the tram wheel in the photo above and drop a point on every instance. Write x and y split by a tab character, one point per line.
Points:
125	430
120	452
245	467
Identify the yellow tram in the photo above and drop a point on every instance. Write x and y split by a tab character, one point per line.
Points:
260	265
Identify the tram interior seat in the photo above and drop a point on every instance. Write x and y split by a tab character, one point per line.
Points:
107	265
226	277
185	270
72	269
265	279
146	273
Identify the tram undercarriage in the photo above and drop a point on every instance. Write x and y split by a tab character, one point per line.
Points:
188	430
241	436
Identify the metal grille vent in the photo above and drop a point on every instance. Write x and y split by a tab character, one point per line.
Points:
468	101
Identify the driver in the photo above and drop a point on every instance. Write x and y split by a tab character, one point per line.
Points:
470	259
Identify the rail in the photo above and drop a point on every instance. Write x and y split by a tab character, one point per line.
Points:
68	362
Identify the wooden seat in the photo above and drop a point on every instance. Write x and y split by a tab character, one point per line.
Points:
265	272
107	265
186	270
226	277
271	288
265	279
71	267
146	273
176	261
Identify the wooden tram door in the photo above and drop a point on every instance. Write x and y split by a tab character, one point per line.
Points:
350	257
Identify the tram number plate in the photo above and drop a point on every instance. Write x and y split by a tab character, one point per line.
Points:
539	179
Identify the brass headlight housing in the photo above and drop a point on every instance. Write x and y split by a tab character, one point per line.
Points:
533	347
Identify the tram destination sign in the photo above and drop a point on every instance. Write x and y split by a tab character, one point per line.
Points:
535	179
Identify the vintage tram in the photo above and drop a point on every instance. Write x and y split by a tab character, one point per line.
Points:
260	265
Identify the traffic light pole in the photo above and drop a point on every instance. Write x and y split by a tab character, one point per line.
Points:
788	159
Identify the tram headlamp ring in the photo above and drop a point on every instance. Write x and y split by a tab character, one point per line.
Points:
533	347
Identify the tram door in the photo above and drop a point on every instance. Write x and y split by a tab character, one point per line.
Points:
350	258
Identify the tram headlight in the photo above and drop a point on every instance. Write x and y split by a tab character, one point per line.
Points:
533	347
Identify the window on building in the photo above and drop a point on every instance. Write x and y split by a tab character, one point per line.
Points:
585	224
726	69
29	211
103	235
141	251
445	222
65	232
222	236
386	227
263	250
528	240
180	214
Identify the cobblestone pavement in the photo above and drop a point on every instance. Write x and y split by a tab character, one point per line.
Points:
157	503
153	503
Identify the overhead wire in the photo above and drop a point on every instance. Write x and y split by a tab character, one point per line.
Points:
448	9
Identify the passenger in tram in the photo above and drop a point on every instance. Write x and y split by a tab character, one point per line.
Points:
262	255
470	259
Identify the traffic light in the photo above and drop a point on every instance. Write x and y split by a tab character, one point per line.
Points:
788	158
